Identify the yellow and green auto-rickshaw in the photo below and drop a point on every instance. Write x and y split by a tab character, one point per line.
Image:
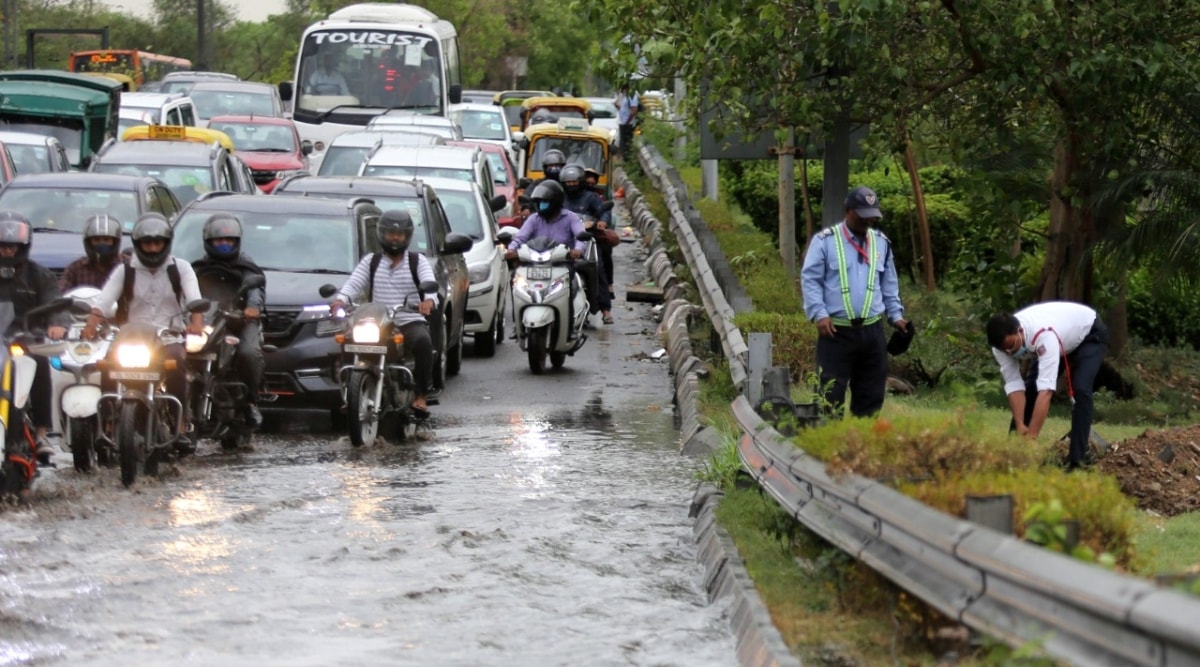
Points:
510	101
559	107
580	142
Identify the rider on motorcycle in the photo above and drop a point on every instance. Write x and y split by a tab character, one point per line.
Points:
27	285
102	249
552	220
220	275
392	283
583	201
552	164
160	286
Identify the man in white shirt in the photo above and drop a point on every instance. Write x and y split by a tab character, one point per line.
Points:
1047	333
327	80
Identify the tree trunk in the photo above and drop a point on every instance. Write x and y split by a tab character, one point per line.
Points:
1067	272
910	163
809	225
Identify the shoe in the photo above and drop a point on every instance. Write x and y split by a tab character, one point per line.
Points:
608	318
45	451
253	416
184	446
419	413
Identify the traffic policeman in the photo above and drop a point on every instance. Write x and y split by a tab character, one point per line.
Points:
850	286
1047	333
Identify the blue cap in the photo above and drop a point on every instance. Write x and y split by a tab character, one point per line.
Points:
864	201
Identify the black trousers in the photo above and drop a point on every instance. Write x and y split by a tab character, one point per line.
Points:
855	358
419	344
40	394
249	357
1084	364
626	134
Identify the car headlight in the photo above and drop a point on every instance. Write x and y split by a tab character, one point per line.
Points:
480	273
366	332
133	355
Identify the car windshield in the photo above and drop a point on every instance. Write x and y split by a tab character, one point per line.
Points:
380	68
67	209
499	168
418	172
481	124
387	124
259	136
69	132
211	103
343	161
586	152
280	241
462	211
512	112
30	159
186	182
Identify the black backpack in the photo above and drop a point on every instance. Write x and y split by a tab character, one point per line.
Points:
127	291
412	267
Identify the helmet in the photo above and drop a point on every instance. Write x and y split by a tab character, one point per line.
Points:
152	226
547	199
102	226
395	221
552	163
572	173
223	226
591	171
15	230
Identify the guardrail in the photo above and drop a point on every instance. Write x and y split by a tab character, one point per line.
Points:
994	583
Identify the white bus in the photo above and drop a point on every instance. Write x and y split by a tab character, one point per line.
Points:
368	59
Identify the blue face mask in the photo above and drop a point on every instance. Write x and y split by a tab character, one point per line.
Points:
543	207
1023	351
223	247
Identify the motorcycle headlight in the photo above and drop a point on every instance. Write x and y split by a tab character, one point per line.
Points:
366	332
195	342
479	273
133	356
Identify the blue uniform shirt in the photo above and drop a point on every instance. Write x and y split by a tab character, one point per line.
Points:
822	285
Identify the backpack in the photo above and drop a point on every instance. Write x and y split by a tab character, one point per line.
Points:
412	267
127	291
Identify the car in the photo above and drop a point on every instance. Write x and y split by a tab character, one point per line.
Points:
189	168
439	125
467	163
504	179
57	205
478	96
235	98
470	213
604	114
271	147
345	154
8	168
34	153
486	123
181	82
155	109
436	239
301	244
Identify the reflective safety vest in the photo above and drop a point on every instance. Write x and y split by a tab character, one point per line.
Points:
841	237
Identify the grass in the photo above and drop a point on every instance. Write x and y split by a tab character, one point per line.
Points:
1168	546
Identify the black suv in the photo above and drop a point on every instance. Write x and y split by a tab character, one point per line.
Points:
189	168
301	244
433	237
58	205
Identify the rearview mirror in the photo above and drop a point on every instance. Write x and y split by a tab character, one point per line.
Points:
498	202
505	234
457	244
306	147
327	291
198	306
606	207
429	286
285	91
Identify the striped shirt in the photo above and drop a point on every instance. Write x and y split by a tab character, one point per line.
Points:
393	282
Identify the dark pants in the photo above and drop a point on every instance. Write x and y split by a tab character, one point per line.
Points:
177	384
626	141
40	394
249	357
595	286
856	357
419	344
606	261
1084	365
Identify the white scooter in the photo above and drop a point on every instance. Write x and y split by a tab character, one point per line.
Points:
76	380
547	320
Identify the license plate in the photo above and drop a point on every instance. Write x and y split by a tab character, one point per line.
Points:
135	375
365	349
539	273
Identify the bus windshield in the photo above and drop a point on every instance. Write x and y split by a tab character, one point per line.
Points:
370	68
103	62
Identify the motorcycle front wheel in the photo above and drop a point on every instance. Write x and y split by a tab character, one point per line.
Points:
536	345
129	441
82	442
361	408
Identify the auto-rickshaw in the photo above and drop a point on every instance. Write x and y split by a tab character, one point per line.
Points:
128	85
561	107
178	133
580	142
510	101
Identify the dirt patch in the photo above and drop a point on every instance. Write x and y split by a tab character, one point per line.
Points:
1160	469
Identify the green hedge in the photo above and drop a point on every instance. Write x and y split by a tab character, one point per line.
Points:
793	340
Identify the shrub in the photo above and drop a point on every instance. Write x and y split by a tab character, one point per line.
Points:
793	339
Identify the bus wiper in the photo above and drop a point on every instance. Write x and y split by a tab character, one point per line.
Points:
322	271
56	230
272	150
326	113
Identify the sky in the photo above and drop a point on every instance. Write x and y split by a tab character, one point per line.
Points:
247	10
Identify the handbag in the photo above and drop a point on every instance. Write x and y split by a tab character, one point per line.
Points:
608	237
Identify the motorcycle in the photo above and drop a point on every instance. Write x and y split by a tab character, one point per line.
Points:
548	314
217	394
76	380
20	464
141	416
374	388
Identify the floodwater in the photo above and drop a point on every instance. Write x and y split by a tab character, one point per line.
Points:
540	521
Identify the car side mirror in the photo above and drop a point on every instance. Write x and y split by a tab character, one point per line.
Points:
306	147
429	286
285	91
524	183
327	291
523	142
505	235
198	306
455	93
498	202
456	244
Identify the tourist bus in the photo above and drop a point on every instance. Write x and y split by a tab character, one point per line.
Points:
368	59
141	66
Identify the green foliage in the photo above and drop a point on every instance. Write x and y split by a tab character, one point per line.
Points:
1047	524
793	339
754	259
1163	311
722	467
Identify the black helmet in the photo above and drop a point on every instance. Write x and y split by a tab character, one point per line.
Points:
102	226
15	230
552	163
152	226
547	199
572	173
395	221
223	226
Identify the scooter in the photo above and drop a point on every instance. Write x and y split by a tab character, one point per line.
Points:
143	418
76	379
375	387
550	304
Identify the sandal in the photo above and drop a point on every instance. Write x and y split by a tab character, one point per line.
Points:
608	319
419	412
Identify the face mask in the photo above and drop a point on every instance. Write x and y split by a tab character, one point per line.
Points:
1021	352
543	207
223	248
103	248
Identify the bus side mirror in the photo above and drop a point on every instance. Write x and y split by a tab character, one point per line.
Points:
456	93
285	91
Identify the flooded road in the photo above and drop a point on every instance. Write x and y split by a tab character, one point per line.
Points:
541	521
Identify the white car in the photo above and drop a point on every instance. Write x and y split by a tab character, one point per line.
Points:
469	212
604	114
345	154
439	125
486	123
467	163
